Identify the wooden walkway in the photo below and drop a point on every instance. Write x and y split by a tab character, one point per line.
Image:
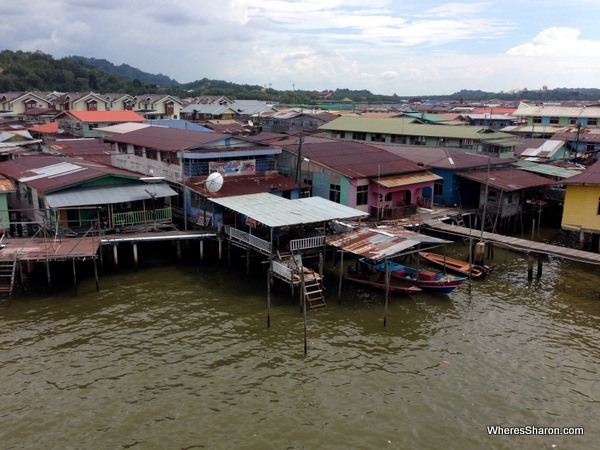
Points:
521	245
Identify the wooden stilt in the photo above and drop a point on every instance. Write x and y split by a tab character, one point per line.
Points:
48	273
135	256
304	310
178	247
96	275
341	275
530	267
74	277
116	256
201	249
539	265
387	292
269	298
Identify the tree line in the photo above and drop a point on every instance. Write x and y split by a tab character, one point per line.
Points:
36	71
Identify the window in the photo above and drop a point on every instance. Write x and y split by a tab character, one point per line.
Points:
554	120
137	150
388	197
593	121
537	119
359	136
398	139
151	154
334	193
92	106
572	120
377	137
362	195
122	148
442	142
166	157
467	143
41	204
438	187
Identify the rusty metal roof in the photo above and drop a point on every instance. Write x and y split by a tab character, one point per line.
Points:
508	180
590	176
382	243
245	184
354	159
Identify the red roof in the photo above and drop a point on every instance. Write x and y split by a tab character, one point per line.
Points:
51	128
106	116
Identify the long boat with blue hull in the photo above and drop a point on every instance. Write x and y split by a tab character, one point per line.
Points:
424	279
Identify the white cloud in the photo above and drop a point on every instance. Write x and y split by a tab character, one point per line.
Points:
557	42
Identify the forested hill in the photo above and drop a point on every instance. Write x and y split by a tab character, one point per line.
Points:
37	71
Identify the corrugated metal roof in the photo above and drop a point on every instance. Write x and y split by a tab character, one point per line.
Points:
404	180
407	127
274	211
6	185
590	176
108	194
245	184
382	243
508	180
546	169
106	116
558	111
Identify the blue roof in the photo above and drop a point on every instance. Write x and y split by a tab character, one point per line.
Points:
179	124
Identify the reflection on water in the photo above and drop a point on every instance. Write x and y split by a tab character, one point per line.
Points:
180	357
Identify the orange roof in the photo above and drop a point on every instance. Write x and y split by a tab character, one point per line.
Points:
107	116
51	127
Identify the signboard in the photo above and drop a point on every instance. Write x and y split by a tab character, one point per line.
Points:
245	167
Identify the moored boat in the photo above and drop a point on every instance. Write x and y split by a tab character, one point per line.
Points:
456	265
376	280
424	279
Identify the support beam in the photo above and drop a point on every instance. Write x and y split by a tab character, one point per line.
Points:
529	266
540	259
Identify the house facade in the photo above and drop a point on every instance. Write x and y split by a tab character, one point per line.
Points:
358	175
86	123
581	213
293	121
186	159
153	106
17	103
73	195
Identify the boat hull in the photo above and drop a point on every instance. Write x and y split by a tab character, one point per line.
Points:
377	281
426	280
455	265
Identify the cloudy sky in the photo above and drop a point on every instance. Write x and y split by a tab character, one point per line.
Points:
407	47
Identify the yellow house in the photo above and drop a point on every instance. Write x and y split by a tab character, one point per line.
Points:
581	211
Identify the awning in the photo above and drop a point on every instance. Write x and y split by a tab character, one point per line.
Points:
274	211
108	194
404	180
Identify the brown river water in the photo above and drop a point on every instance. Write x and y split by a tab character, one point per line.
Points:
179	355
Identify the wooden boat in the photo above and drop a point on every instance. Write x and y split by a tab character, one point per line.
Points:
455	265
376	280
430	281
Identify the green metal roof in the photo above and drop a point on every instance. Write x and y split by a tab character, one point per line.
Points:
407	127
546	169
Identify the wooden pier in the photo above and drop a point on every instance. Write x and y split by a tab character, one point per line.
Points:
517	244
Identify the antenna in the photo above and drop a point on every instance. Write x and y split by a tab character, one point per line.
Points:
214	182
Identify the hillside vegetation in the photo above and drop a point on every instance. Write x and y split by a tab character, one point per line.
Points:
37	71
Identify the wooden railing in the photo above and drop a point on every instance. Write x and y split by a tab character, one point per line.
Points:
399	212
141	217
282	270
310	242
249	239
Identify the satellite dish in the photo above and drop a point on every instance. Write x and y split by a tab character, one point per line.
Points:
214	182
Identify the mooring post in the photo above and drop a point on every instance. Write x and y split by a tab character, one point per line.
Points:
341	275
48	273
539	265
387	291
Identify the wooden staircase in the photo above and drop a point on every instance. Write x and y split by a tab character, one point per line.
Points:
313	291
7	279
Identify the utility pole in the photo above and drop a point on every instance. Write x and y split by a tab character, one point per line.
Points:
299	166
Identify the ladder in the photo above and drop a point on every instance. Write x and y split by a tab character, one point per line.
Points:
313	285
313	291
7	278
